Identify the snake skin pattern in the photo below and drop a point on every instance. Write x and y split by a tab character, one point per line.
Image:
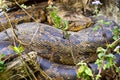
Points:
48	41
54	70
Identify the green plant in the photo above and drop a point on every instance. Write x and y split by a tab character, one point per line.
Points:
26	68
96	4
102	23
106	60
58	21
116	32
61	24
109	58
19	49
2	67
84	71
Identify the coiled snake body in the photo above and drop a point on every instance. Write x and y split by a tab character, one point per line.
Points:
48	41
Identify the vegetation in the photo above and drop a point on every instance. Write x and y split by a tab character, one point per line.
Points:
106	60
105	57
2	67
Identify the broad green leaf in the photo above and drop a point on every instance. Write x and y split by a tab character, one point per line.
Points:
81	69
101	55
115	37
88	71
1	63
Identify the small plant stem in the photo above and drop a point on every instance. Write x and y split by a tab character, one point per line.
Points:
71	51
26	11
16	75
13	31
104	34
42	72
101	67
24	66
112	46
115	43
41	29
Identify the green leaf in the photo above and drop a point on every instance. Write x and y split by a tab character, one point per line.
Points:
107	23
99	62
116	32
110	56
81	69
105	66
101	21
1	63
2	55
21	49
96	28
2	66
23	6
115	37
88	71
98	77
116	69
65	25
101	55
100	50
18	50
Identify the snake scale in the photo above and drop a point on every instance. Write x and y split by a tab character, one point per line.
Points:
49	42
55	52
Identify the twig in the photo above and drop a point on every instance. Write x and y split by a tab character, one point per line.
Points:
41	29
109	48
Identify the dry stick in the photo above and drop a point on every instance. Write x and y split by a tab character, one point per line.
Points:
10	26
15	36
71	51
114	44
25	66
15	76
41	29
6	32
13	31
42	72
105	37
20	40
33	37
112	47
